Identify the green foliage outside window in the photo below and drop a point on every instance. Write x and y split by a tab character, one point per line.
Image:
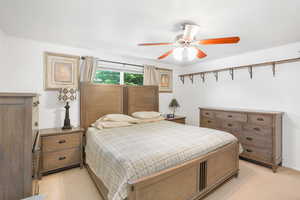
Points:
113	77
133	79
107	77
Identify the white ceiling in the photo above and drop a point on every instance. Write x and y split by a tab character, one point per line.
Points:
118	25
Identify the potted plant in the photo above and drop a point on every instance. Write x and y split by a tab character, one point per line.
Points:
173	105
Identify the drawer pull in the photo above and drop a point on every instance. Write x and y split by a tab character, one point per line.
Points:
36	103
257	129
249	138
260	119
249	150
229	125
36	124
61	141
209	121
229	116
62	158
207	113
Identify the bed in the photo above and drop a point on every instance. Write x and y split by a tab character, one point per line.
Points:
160	160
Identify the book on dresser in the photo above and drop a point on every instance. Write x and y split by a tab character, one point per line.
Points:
19	127
259	132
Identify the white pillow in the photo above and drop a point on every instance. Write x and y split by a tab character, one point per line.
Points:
108	124
146	115
117	118
141	121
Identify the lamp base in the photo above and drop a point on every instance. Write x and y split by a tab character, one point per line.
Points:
67	124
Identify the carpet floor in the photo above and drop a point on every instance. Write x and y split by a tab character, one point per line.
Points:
254	183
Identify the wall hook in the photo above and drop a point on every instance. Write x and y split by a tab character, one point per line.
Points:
250	69
274	69
216	75
231	73
191	78
182	79
202	77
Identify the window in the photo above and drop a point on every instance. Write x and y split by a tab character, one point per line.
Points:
118	74
107	77
133	79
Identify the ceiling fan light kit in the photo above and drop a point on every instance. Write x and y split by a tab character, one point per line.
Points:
187	47
185	53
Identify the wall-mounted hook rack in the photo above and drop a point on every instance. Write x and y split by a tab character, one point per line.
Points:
274	64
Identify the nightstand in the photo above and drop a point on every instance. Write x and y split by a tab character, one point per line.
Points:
177	119
60	149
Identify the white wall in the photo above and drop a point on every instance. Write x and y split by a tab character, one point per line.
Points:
263	92
2	49
24	73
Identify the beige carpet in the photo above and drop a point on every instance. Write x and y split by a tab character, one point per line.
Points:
254	183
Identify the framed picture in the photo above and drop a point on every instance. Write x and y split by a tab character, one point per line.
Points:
165	80
60	70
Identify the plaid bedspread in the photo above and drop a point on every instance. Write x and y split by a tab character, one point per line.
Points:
118	155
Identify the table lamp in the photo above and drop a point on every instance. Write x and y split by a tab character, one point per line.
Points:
67	95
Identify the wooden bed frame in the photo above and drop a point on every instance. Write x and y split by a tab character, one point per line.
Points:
189	181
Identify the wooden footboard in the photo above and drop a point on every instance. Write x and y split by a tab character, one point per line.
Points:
188	181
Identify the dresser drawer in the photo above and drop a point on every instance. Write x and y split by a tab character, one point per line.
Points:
249	138
258	131
263	120
208	123
233	116
231	126
208	113
60	159
257	153
59	142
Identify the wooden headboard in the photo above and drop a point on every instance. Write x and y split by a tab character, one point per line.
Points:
141	98
97	100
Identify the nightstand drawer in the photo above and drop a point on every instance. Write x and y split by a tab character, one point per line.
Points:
60	159
181	121
59	142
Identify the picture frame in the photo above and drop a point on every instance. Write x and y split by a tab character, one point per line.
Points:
60	70
165	80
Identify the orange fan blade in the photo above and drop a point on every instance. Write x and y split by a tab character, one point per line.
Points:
165	55
200	54
227	40
155	44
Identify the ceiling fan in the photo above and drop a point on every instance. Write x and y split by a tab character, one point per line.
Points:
187	43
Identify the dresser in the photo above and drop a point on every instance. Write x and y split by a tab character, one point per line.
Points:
18	128
60	149
259	132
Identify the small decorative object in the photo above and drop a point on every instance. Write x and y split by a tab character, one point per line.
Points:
60	71
165	80
170	116
174	105
67	95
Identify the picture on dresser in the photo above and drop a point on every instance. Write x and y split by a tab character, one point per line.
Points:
60	71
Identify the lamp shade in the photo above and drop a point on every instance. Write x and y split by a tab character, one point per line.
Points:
67	94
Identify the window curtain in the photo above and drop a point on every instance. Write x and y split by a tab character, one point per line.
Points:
151	75
87	68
